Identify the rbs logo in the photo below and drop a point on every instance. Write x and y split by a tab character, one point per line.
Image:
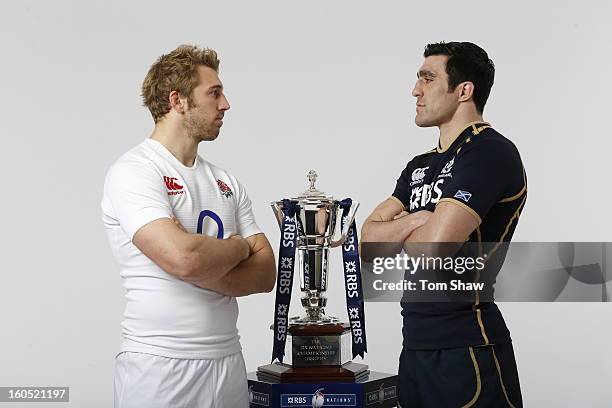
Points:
296	400
289	234
428	193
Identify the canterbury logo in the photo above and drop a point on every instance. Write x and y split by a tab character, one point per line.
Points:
171	183
419	173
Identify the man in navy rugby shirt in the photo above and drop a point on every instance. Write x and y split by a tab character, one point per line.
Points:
470	188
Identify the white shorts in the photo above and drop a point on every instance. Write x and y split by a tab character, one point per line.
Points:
144	380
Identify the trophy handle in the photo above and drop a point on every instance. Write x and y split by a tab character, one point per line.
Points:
277	208
347	225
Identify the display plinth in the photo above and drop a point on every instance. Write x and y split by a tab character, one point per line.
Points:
376	390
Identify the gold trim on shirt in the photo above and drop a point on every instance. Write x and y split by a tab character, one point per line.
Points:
394	198
462	205
486	124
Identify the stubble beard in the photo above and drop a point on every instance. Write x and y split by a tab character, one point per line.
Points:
199	128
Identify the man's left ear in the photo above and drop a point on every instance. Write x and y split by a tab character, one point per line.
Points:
466	91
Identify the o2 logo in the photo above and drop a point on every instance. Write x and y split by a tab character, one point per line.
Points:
213	216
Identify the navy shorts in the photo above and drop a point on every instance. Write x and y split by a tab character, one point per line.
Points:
477	377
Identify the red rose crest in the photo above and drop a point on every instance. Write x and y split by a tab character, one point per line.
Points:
225	189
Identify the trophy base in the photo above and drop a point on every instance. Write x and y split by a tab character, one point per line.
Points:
315	345
316	352
377	390
284	373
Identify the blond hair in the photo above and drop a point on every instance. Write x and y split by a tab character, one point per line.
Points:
175	71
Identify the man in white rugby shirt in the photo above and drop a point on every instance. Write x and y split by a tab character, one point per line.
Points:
187	244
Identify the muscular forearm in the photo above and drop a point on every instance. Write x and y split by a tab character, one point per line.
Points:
421	234
256	274
449	223
389	231
211	259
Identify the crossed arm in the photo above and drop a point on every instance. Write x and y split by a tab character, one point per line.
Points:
233	267
389	222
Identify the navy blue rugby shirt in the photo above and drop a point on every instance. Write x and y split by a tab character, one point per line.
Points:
482	172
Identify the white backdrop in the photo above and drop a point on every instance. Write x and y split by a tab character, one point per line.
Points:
331	81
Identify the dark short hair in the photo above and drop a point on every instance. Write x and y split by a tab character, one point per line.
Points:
466	62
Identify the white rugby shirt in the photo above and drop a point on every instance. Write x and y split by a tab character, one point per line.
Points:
164	315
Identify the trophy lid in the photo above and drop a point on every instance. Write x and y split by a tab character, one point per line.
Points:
313	194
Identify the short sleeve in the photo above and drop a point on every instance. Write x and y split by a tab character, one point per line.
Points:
483	172
247	226
402	186
136	194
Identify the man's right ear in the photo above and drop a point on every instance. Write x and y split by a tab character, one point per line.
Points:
176	103
466	91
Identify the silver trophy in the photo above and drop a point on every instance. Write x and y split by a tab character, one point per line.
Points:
317	219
